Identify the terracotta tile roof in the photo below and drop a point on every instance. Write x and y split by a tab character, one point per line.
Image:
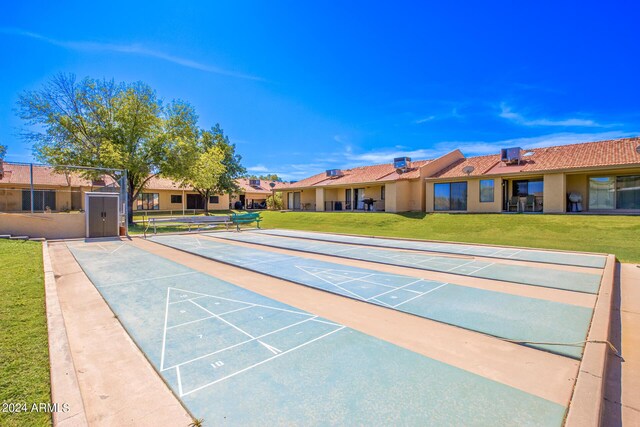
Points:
160	183
264	187
360	175
19	174
617	152
480	164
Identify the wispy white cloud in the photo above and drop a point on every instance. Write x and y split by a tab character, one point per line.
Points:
258	168
131	49
424	120
507	113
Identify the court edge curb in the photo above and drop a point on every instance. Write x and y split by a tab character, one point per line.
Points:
587	403
64	382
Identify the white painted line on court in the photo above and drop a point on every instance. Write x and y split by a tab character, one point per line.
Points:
325	322
228	323
271	348
244	302
128	282
513	254
462	265
208	317
423	294
179	381
332	284
188	299
263	362
164	332
398	288
482	268
243	342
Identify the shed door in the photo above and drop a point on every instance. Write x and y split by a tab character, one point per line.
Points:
110	219
103	216
96	227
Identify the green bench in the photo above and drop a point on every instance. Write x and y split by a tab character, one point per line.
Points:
245	218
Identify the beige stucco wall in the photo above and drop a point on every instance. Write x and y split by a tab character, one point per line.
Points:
308	197
391	198
320	199
50	226
578	184
473	197
403	197
428	196
555	193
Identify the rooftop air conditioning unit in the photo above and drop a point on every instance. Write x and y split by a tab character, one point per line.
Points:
402	164
334	173
254	182
510	155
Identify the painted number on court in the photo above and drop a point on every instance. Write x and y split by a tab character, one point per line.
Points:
217	364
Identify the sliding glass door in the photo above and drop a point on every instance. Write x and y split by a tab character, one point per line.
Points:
628	192
614	192
450	196
602	193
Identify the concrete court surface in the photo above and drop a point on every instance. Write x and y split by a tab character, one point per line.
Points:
579	279
308	298
519	318
523	254
215	344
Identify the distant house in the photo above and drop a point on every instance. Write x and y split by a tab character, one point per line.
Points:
253	193
166	194
52	191
389	187
596	177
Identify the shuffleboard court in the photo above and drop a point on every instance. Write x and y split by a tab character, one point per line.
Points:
533	255
502	315
235	357
535	276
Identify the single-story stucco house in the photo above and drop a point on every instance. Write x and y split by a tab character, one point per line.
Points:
595	177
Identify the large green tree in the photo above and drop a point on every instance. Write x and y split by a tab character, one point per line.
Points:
267	177
206	171
104	124
230	159
215	168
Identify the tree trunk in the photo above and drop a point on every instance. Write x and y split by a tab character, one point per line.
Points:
206	202
130	207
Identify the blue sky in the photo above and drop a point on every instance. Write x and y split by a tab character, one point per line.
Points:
305	86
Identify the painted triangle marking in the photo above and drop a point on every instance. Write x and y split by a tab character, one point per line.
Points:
271	348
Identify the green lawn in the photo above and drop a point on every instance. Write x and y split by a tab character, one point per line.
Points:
140	225
24	352
617	235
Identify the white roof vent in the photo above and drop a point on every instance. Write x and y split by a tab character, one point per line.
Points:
510	155
334	173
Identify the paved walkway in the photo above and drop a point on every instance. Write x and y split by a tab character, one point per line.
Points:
622	396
